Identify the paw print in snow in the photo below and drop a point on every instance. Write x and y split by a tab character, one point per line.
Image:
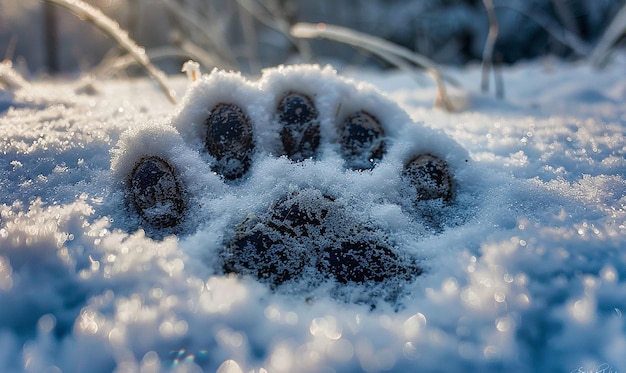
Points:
303	178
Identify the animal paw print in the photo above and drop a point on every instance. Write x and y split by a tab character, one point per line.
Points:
306	178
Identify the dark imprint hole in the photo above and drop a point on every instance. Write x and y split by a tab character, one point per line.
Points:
362	142
300	128
430	177
157	193
229	139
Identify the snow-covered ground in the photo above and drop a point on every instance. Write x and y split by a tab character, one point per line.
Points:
525	272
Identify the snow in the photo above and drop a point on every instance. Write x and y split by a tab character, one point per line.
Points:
525	271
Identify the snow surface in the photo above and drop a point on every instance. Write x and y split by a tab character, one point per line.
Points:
525	273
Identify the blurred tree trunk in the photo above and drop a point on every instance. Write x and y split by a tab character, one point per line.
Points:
50	37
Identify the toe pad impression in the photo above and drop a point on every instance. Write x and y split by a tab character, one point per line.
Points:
157	193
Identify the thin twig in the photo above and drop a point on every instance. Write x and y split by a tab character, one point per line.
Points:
8	55
85	11
226	59
558	33
565	15
197	53
10	79
250	39
497	76
112	65
489	45
613	33
379	47
275	22
51	38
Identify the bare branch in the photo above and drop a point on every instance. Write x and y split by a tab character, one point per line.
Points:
565	15
94	16
489	45
9	78
613	33
555	30
269	17
211	36
379	47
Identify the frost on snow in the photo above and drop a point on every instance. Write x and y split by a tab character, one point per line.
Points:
523	271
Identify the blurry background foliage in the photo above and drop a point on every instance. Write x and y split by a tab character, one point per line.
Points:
248	35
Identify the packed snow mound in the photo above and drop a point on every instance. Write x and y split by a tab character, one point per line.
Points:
317	227
523	271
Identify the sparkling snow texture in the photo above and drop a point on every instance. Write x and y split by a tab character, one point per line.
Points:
525	271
